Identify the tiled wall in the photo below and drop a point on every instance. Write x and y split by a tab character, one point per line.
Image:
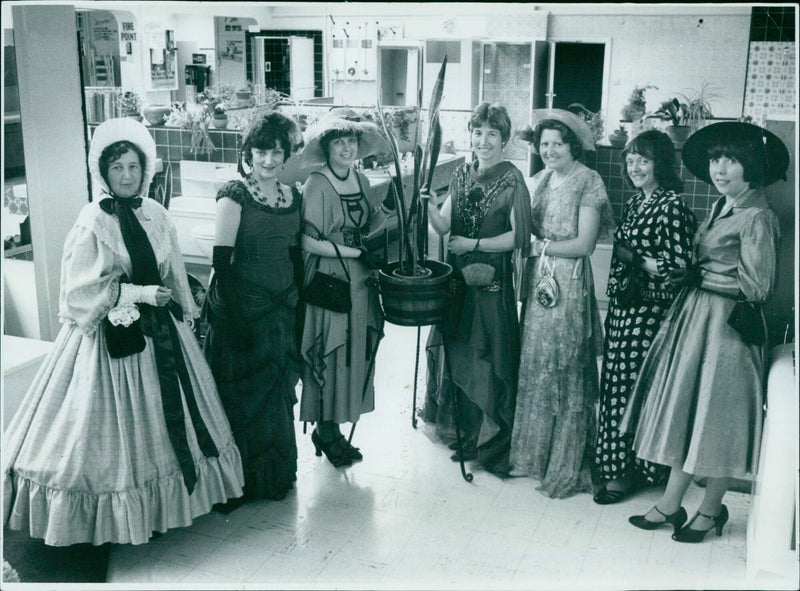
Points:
607	161
316	35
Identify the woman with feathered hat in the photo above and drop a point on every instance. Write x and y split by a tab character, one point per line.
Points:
122	432
251	344
697	403
339	348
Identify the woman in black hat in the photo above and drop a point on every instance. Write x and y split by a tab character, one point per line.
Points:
698	400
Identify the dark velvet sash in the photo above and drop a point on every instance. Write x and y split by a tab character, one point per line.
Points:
157	324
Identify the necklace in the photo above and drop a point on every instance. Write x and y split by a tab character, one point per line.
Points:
341	178
555	183
278	199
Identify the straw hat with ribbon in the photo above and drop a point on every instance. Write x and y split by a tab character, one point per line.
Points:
578	126
117	130
757	139
370	140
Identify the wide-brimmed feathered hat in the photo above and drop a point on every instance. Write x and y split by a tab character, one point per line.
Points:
578	126
695	149
117	130
370	140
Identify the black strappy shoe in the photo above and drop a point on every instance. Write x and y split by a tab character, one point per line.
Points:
354	453
334	450
694	536
676	520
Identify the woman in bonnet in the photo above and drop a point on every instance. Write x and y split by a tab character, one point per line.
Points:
122	432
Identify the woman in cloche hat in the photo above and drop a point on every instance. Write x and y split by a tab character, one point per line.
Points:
697	403
561	332
338	348
122	432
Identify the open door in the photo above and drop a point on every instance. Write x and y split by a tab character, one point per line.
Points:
399	75
301	64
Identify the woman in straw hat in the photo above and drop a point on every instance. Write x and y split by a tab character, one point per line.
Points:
697	403
122	432
251	343
561	335
654	236
339	348
487	214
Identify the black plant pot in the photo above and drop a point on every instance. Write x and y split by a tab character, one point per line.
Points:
415	301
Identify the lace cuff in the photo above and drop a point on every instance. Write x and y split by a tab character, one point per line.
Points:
126	312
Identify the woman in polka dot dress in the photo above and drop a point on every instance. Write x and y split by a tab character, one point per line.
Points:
653	237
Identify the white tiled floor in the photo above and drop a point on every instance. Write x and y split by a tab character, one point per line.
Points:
405	519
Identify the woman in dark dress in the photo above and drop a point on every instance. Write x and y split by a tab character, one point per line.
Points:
250	344
653	238
487	214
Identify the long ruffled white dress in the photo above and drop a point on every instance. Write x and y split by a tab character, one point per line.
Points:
87	457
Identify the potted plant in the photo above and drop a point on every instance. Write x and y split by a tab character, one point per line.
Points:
415	290
244	95
156	114
696	106
130	105
593	119
636	106
219	117
674	112
619	137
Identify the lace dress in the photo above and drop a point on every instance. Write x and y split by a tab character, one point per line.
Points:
257	384
554	429
661	227
88	457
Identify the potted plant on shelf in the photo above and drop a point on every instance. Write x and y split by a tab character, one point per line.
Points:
696	106
415	290
130	105
673	111
244	95
619	137
219	117
636	106
593	119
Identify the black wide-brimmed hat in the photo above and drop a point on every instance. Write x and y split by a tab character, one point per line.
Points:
695	149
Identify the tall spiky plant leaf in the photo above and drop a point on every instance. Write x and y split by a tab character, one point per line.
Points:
397	186
433	151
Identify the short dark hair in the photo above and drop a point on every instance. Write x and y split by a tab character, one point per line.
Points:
656	146
575	146
495	115
272	131
114	152
749	154
333	134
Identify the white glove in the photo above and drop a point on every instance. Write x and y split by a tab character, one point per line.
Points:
133	294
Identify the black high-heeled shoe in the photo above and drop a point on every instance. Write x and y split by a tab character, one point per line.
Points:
333	450
354	453
694	536
676	520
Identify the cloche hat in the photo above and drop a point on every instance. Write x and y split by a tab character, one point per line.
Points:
112	131
578	126
695	148
370	140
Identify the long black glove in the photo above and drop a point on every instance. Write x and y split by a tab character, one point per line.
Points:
686	276
226	287
370	260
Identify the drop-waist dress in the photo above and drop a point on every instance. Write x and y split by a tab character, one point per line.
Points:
339	348
257	383
697	403
89	457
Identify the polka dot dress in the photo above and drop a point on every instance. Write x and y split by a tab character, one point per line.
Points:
662	228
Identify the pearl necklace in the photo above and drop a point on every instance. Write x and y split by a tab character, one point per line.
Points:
276	200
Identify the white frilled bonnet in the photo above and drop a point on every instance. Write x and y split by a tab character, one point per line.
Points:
117	130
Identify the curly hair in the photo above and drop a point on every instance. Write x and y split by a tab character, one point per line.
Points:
114	152
272	130
656	146
749	154
493	114
535	136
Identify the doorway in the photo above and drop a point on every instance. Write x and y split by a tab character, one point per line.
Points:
285	64
578	71
399	76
